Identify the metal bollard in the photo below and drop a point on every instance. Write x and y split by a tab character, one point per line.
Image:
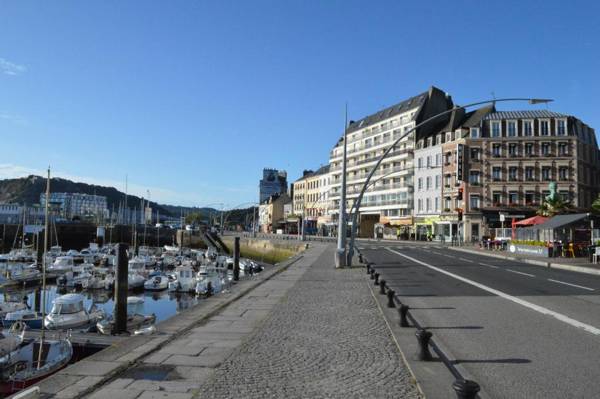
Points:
465	389
360	258
403	312
372	274
376	278
382	287
368	269
423	337
390	295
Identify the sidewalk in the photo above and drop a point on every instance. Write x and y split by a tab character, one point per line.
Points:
309	331
580	265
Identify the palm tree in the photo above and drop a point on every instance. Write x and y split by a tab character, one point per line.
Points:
551	207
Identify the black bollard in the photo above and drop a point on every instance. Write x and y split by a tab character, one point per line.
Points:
121	287
360	258
390	295
376	278
372	274
382	287
403	312
465	389
236	259
209	289
368	268
423	337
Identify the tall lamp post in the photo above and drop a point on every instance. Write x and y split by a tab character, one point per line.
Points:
340	253
358	200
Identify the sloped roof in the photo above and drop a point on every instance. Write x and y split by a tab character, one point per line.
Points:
541	113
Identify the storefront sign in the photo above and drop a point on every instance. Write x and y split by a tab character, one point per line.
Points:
529	250
460	156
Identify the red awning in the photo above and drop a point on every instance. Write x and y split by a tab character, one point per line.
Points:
532	221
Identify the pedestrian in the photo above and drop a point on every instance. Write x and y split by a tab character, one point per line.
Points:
398	234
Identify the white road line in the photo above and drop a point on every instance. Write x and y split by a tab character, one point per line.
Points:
492	266
466	260
448	256
540	309
524	274
572	285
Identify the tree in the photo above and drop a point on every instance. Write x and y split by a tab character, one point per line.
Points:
596	206
551	207
193	218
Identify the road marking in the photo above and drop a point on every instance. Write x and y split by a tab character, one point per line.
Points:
448	256
492	266
572	285
524	274
466	260
532	306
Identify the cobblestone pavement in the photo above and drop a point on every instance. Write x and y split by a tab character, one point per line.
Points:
326	338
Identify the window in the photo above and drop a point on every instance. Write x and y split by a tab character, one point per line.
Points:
429	161
544	128
475	154
511	126
546	149
497	150
528	149
561	127
513	150
447	204
474	177
496	173
438	159
529	173
512	173
447	180
497	198
563	173
420	205
428	182
564	195
495	129
448	158
513	197
438	181
420	163
437	204
529	197
420	183
428	204
563	149
474	201
546	173
527	128
474	132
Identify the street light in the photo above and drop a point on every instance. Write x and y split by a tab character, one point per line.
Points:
358	199
340	253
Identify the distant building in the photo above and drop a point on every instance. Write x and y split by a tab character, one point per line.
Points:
311	198
274	182
78	204
271	213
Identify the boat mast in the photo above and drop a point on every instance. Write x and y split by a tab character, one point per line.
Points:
39	362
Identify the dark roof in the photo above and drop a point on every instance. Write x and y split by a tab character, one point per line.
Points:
321	171
474	118
403	106
560	221
541	113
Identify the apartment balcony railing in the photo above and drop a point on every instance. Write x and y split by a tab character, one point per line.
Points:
373	159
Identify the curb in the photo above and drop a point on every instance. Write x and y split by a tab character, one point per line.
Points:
549	265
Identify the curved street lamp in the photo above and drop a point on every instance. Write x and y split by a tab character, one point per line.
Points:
358	200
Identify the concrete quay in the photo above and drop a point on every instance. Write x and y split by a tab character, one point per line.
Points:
299	329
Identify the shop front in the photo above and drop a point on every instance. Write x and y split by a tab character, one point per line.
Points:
425	228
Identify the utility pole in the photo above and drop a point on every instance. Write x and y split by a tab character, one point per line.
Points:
340	254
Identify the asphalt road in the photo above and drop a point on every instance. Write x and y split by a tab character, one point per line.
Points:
520	330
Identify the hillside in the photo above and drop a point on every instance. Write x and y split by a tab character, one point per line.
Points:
27	190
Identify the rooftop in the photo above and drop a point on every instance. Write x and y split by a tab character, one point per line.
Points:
542	113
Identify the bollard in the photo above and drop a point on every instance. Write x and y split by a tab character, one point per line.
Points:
368	269
376	278
465	389
390	295
209	289
372	274
360	258
403	312
423	337
382	287
121	288
236	259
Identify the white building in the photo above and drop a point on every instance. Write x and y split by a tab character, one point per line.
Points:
78	204
428	186
389	198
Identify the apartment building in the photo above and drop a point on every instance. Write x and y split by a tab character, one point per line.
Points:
428	185
389	197
504	161
311	198
78	204
271	213
274	182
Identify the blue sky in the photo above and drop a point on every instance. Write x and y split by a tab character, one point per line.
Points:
191	99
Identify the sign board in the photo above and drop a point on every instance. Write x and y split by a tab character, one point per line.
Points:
502	217
460	157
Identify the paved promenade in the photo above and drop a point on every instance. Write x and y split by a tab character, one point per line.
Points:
309	331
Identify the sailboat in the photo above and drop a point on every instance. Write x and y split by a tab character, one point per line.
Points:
41	357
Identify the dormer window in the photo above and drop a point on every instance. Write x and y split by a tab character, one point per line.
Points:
474	132
561	127
511	126
544	128
495	129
